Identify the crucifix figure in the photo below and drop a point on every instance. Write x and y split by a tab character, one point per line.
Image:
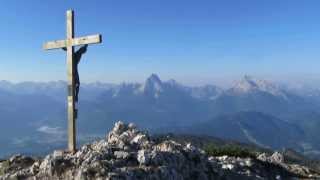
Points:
76	59
73	58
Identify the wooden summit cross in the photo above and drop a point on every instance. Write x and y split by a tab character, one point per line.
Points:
69	44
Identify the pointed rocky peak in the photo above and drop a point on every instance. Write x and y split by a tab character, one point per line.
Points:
153	86
153	80
248	84
133	154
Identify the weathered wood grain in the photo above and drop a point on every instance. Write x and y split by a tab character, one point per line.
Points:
92	39
69	44
55	44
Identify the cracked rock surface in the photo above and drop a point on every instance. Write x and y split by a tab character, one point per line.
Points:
129	154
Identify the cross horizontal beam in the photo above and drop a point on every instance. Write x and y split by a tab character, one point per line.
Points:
55	44
92	39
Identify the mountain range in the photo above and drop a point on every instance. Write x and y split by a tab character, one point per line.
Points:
33	114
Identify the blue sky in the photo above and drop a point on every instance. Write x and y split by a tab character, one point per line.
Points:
194	42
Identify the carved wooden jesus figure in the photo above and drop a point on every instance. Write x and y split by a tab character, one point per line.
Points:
76	59
73	59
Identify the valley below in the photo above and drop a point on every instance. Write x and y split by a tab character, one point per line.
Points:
252	111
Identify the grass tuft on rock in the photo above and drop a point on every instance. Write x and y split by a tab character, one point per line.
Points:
228	150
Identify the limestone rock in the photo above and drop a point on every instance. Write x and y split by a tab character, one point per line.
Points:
143	157
277	158
130	154
262	157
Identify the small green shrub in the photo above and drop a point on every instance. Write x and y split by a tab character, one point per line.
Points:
229	150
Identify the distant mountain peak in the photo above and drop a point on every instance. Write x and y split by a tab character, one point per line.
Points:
154	81
153	86
249	83
154	78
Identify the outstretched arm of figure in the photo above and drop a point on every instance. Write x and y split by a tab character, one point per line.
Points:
78	54
83	49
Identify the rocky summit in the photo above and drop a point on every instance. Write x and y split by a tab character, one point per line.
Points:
130	154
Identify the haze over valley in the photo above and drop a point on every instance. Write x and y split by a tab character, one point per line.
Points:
252	110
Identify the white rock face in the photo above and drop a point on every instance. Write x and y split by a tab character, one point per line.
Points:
277	158
121	154
129	154
153	86
143	157
262	157
140	139
249	84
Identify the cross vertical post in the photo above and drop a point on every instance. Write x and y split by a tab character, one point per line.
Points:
71	86
69	44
